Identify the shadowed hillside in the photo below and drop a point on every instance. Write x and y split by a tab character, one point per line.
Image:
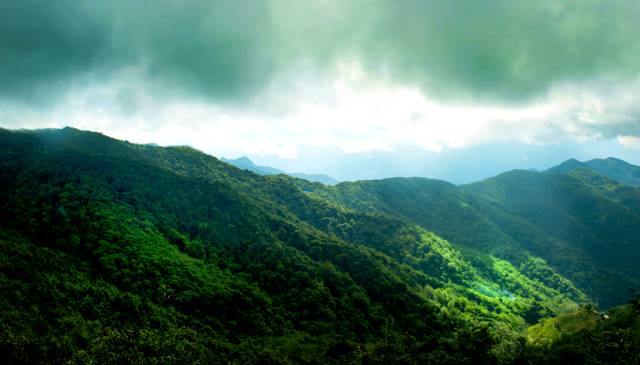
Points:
584	230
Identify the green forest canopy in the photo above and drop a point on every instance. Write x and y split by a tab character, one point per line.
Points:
113	252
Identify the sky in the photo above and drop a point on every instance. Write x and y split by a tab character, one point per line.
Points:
357	88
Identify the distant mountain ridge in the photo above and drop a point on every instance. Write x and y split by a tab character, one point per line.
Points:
611	167
246	164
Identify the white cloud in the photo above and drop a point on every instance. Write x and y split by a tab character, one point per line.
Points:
629	142
352	113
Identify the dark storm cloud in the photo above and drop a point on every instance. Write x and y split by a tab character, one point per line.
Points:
216	48
498	49
43	42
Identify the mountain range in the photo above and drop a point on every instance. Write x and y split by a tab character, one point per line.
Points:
245	163
113	252
613	168
459	165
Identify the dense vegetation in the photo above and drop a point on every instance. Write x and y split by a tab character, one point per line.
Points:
582	224
613	168
112	252
588	337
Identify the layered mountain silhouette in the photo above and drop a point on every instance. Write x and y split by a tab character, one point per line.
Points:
613	168
112	252
246	164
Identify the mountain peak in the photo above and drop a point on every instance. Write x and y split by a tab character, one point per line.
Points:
244	160
611	167
617	161
568	166
245	163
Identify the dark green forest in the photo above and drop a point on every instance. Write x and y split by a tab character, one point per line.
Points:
118	253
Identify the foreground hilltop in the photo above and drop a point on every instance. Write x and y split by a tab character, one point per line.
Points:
117	252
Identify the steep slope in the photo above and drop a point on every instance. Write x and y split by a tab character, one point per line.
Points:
438	205
523	217
182	239
587	337
625	195
116	252
617	170
592	239
568	166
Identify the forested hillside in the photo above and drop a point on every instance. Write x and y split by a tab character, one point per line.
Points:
112	252
613	168
582	224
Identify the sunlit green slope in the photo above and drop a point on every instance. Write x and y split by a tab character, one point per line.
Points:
584	231
115	252
587	337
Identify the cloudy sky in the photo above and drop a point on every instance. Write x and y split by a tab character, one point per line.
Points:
311	85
